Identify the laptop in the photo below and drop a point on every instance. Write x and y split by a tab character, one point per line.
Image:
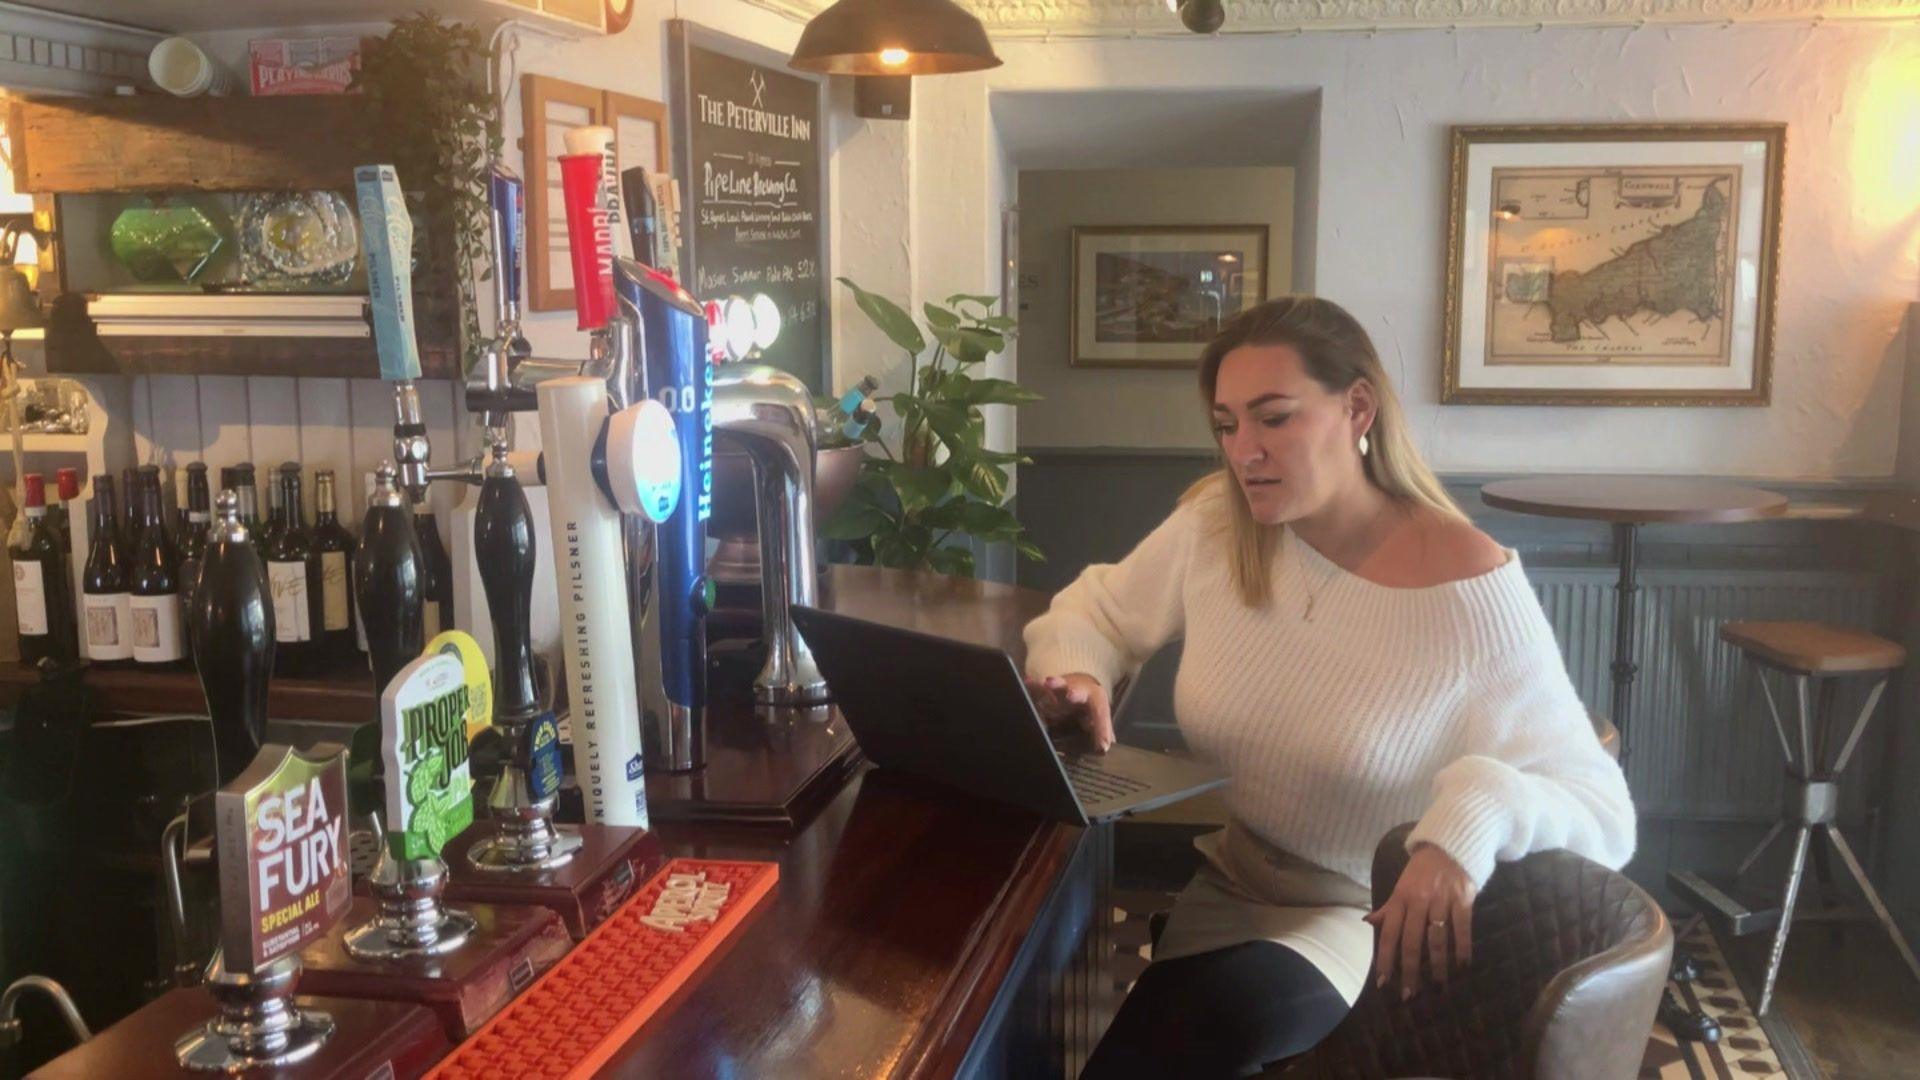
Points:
959	714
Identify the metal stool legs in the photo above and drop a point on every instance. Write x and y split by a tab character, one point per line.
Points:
1812	803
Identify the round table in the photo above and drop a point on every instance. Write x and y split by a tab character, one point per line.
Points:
1629	502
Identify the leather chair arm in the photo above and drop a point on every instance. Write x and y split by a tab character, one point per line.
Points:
1591	1020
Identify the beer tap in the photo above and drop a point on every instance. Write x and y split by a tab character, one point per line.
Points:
769	414
230	621
252	977
521	802
387	579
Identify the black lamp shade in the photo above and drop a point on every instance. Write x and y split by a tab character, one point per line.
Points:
894	37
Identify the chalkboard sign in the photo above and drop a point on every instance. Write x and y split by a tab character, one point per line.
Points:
750	146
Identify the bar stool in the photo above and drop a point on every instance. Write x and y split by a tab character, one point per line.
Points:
1817	656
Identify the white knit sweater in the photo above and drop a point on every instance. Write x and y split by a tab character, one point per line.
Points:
1448	705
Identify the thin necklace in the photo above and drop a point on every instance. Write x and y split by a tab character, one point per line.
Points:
1313	591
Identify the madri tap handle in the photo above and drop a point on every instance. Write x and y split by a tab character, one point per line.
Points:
230	620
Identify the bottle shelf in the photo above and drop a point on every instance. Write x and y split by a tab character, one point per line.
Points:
343	695
36	442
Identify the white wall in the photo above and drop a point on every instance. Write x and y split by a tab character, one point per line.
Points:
1151	407
918	215
1850	258
345	424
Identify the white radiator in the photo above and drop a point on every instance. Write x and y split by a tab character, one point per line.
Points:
1701	742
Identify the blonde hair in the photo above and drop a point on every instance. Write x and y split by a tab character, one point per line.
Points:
1337	353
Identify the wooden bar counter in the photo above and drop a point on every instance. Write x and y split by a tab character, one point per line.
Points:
916	930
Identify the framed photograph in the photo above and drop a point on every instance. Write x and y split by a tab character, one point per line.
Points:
1616	264
553	107
1152	296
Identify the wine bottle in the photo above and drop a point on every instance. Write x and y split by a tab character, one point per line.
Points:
292	574
42	598
276	520
230	619
333	547
193	534
243	486
159	637
59	513
129	513
436	572
107	605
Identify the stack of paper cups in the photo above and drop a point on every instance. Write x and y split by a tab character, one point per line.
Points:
181	68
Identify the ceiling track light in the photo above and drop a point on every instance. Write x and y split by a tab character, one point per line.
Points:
1201	16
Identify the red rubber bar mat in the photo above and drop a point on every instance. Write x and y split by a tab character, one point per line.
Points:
573	1020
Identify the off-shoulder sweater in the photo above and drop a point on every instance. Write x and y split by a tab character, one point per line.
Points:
1346	707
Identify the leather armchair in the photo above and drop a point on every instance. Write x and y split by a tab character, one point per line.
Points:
1569	960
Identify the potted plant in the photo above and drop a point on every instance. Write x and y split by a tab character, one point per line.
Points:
938	482
433	119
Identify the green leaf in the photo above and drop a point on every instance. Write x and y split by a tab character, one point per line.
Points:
948	515
949	421
989	522
999	322
969	345
920	488
856	521
957	561
896	552
982	479
940	316
972	298
998	392
1030	550
889	317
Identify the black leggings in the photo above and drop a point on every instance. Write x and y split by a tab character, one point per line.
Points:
1218	1014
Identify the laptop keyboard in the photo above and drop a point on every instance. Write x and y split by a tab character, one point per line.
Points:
1096	785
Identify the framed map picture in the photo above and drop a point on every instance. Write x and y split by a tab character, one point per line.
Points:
1153	295
1625	264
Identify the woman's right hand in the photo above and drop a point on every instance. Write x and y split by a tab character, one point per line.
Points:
1078	697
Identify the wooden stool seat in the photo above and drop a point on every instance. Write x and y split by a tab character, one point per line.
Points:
1811	648
1815	657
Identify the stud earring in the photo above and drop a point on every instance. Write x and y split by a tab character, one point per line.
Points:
1363	446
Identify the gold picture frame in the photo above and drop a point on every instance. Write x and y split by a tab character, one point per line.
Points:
1152	296
1612	264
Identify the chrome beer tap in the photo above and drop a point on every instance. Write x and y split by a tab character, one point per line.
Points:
769	414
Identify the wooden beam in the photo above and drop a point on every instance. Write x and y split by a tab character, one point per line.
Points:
84	145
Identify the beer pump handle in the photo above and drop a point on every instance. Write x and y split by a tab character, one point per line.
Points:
643	216
503	546
506	199
387	580
230	621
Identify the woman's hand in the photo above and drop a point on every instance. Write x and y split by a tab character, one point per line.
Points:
1430	908
1078	697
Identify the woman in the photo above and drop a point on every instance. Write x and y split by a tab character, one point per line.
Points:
1357	655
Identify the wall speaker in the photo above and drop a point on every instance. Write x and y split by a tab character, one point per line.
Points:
883	97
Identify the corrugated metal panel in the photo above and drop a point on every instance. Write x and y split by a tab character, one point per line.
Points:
1702	745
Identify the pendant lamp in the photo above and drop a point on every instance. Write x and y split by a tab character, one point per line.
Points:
894	37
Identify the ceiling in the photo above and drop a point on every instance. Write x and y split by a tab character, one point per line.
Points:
190	16
1132	18
1071	18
